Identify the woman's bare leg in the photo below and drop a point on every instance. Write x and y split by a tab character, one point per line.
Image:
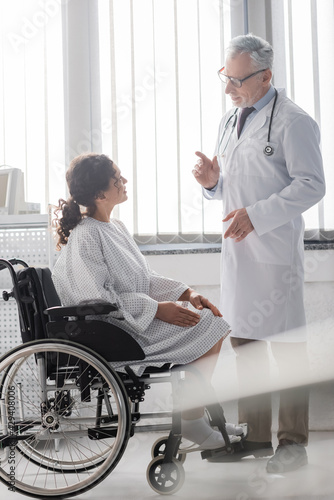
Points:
205	365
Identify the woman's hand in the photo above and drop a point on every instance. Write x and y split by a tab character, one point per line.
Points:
173	313
199	302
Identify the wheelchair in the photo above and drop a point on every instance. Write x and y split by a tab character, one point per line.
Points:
66	414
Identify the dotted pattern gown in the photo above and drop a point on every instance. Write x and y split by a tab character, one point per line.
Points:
101	261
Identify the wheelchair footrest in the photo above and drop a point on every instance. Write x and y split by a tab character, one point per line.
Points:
102	432
11	440
233	448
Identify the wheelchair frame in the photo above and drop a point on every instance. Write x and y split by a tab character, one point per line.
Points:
66	414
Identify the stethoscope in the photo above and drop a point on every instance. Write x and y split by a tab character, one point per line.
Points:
268	150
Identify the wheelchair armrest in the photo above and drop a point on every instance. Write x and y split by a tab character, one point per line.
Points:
87	308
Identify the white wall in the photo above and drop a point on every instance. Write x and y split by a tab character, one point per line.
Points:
202	269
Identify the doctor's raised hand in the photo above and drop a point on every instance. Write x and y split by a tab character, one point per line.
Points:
206	172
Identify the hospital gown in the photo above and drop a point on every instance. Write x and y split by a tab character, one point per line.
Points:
102	262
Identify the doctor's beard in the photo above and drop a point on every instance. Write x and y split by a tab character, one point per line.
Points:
241	101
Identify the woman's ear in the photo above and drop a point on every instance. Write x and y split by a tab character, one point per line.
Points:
100	196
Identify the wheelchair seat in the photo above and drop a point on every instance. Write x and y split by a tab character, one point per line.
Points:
44	317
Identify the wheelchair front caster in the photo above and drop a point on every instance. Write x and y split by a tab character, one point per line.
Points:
165	478
159	449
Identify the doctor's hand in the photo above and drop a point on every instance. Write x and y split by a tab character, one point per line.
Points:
240	226
176	314
206	172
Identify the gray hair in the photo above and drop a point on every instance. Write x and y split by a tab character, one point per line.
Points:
260	51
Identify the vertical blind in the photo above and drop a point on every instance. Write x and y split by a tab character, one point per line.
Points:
161	99
31	83
307	46
161	102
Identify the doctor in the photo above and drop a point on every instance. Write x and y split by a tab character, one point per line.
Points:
267	170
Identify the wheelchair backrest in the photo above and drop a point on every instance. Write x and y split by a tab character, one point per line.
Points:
50	295
35	293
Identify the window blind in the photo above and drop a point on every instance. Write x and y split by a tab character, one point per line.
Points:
31	83
159	95
161	102
304	51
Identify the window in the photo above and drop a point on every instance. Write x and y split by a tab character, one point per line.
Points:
31	83
161	102
155	96
304	53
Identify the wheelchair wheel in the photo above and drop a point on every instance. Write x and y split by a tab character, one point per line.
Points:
165	478
159	448
65	419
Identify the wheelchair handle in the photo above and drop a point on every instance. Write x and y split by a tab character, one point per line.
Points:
7	295
7	264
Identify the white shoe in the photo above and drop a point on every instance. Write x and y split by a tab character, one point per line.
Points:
232	429
199	432
207	444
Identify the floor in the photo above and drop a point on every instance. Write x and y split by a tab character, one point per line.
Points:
246	480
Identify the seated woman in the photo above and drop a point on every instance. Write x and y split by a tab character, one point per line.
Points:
100	260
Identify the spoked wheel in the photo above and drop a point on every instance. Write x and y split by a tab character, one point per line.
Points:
159	448
65	419
165	478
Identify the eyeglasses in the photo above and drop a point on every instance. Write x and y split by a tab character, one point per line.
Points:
235	81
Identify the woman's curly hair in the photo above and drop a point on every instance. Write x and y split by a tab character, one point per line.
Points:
88	175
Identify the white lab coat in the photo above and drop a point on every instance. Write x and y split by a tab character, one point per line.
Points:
262	277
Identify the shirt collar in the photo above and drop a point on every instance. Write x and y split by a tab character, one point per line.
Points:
265	99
